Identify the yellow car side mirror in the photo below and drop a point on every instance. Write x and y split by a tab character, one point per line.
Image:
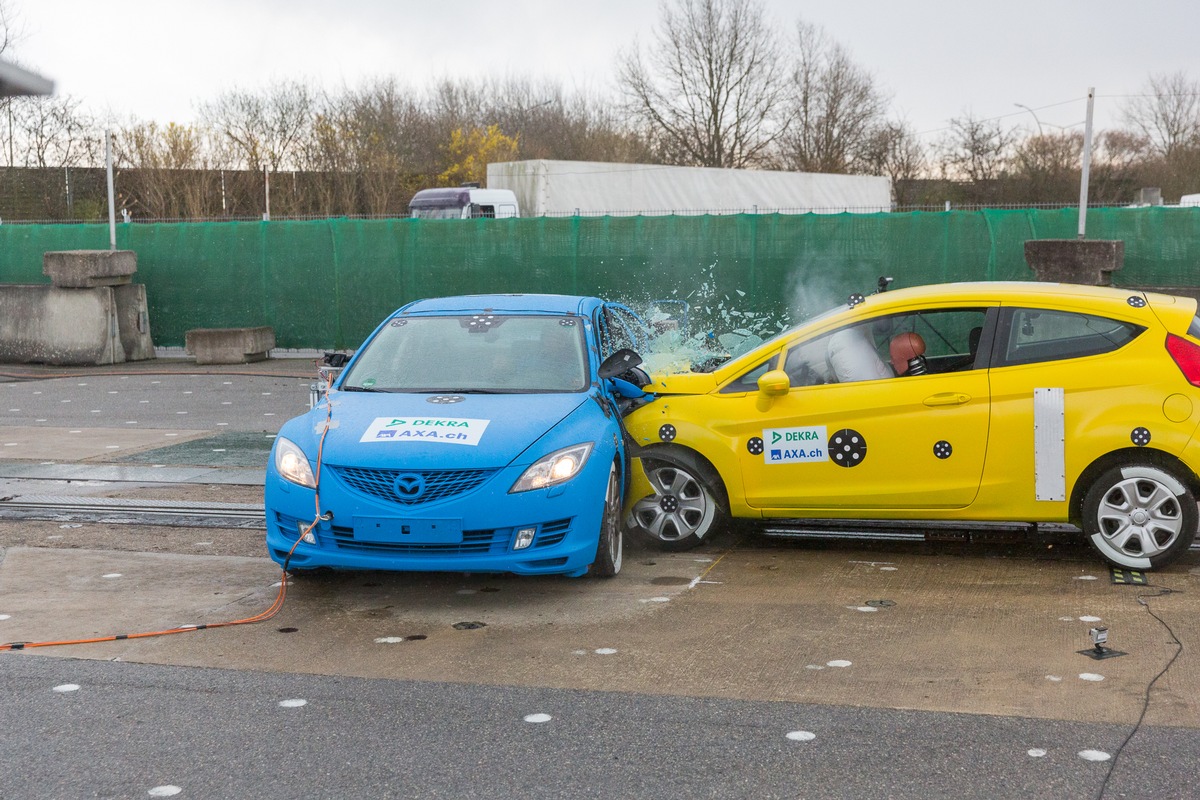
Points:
774	383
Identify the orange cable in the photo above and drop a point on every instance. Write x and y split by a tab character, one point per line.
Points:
271	611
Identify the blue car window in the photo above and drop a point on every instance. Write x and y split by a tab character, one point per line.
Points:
482	353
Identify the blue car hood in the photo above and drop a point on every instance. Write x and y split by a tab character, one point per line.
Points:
480	431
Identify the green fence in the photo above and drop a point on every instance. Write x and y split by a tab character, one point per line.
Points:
327	283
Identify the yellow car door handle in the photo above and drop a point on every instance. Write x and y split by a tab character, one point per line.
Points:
947	399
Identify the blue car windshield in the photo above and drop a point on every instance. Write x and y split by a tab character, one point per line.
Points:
480	353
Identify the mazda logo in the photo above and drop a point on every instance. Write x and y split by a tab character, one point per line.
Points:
410	485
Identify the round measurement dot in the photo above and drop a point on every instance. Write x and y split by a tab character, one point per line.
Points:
1137	301
942	449
1140	437
667	433
755	446
847	448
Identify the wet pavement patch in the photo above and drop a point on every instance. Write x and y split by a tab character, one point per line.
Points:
233	449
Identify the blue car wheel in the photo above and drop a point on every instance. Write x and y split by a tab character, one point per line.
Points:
611	546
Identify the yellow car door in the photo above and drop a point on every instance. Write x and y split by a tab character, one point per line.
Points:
852	440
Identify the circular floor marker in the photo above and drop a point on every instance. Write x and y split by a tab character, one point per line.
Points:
1094	755
67	687
1035	752
294	703
1090	676
538	718
837	663
111	575
801	736
605	651
1089	619
168	790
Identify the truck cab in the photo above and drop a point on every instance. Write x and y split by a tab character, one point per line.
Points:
463	202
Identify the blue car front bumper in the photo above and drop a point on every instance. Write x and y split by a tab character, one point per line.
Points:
471	524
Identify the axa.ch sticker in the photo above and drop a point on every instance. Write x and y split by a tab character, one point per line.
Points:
793	445
444	430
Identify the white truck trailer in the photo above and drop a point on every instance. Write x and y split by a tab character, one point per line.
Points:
592	188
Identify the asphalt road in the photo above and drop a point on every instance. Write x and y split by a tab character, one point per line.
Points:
129	730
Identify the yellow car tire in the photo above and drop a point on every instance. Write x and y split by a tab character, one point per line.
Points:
1140	516
688	506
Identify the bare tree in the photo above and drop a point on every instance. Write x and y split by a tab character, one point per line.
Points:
710	90
975	149
893	149
836	109
9	35
53	132
167	171
266	129
1045	167
1167	113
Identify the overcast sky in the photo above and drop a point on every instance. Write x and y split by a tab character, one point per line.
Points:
156	59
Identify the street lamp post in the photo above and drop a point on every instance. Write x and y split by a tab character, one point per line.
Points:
1035	117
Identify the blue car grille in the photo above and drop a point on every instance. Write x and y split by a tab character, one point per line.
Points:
482	542
423	486
473	543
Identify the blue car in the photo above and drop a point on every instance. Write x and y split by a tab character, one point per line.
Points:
467	434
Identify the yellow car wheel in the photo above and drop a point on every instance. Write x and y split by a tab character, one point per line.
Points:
1140	516
688	504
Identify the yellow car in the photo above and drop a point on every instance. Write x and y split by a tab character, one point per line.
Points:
971	402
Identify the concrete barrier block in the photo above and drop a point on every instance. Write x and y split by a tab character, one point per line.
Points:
42	324
86	269
133	321
229	345
1086	261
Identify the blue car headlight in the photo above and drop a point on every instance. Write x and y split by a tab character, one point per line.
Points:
292	465
559	466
